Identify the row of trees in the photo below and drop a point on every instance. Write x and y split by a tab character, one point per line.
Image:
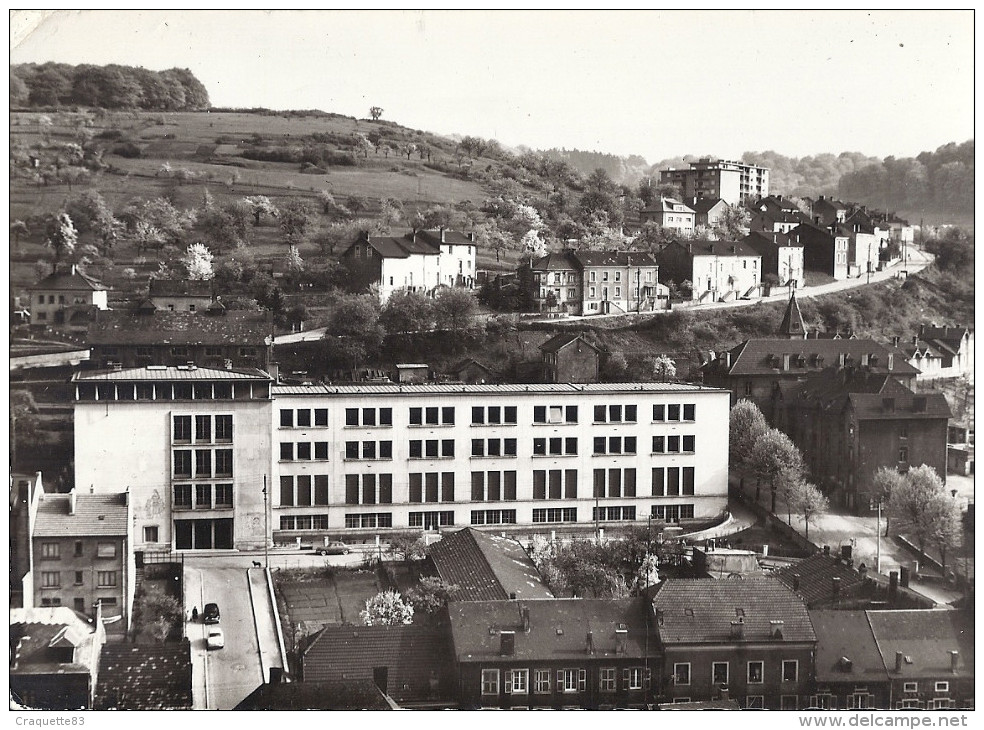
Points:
107	87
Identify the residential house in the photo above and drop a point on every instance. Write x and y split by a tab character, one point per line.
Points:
145	677
735	182
774	204
929	656
850	673
410	664
707	211
486	567
562	653
769	221
955	345
824	580
569	358
825	250
922	355
755	368
471	371
828	211
864	247
597	282
214	338
66	298
671	214
82	553
751	637
782	257
558	280
54	658
181	295
421	261
720	271
850	421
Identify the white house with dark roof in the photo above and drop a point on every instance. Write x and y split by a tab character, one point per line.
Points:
670	213
181	295
63	293
718	270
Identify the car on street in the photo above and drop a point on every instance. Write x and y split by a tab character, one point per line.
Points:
211	613
333	548
215	639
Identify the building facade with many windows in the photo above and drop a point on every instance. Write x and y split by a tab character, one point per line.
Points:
734	182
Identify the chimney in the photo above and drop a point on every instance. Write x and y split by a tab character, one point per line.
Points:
893	584
796	581
71	502
864	359
891	360
524	613
724	693
898	661
589	643
863	571
734	249
954	658
835	587
276	675
275	371
904	576
826	550
471	236
846	552
74	270
727	360
915	339
896	340
442	235
507	643
620	636
738	629
842	359
846	664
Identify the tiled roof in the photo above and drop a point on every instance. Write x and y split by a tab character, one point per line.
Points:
721	248
475	389
704	205
846	635
342	695
564	339
701	611
35	632
181	328
96	515
168	372
563	261
180	288
414	656
667	205
67	280
558	628
769	241
615	258
486	567
867	393
753	357
816	574
145	677
455	238
925	637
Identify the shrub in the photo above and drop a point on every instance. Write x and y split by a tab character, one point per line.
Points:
128	150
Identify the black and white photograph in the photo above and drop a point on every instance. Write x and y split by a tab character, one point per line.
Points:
492	360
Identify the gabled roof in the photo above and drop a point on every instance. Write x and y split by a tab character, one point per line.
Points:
562	340
925	637
792	324
667	205
846	635
815	578
454	238
351	694
180	288
466	363
815	230
558	629
486	567
145	677
777	202
705	205
181	328
96	515
67	279
701	611
758	356
413	243
615	258
563	261
719	248
413	655
873	396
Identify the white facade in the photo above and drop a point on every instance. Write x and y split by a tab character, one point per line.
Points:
453	266
130	434
726	278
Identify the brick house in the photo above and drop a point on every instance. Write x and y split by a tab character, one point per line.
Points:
553	653
751	638
569	358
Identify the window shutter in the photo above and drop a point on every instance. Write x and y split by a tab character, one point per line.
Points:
649	678
626	678
582	680
507	681
560	680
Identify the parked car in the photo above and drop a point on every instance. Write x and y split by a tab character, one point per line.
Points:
216	639
333	548
211	613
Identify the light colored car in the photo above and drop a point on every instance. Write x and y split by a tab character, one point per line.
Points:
333	548
216	639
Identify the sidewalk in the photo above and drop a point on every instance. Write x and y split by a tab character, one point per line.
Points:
195	631
265	622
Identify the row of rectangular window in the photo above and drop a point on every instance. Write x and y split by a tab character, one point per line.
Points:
203	463
202	495
493	517
203	431
304	450
301	417
52	550
304	522
518	681
301	490
720	672
165	391
104	578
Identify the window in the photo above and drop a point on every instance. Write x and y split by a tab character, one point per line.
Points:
673	412
79	577
681	673
910	687
689	444
203	429
606	679
203	463
50	579
859	701
182	429
790	670
286	418
554	414
755	672
50	551
106	550
634	677
719	673
223	429
150	533
942	687
659	412
520	681
571	680
755	702
556	514
368	520
106	578
223	495
493	517
689	412
182	495
303	417
541	681
286	451
223	462
203	495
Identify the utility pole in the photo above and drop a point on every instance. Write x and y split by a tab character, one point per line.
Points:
266	527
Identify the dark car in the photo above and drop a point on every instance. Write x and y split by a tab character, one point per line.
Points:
211	613
333	548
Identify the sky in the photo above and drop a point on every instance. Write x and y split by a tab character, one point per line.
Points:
658	84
